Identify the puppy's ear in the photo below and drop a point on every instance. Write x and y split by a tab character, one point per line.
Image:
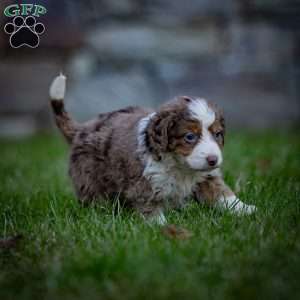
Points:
157	133
219	124
221	120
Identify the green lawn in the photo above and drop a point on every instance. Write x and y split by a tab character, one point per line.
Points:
69	252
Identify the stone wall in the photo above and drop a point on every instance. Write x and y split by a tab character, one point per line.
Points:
243	55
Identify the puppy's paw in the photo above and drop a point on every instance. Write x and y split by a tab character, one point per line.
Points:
235	205
157	218
245	209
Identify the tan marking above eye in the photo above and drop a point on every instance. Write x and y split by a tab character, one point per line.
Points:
186	127
194	127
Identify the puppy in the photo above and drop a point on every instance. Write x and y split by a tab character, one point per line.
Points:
150	160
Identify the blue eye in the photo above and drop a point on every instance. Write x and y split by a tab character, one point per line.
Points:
190	137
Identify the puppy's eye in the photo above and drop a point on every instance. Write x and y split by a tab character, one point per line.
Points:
190	137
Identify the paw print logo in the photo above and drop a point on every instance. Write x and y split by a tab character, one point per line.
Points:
24	32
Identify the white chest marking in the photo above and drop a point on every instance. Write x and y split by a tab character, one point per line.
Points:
167	179
171	183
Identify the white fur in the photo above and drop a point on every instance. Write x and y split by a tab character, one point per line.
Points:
170	178
173	181
201	111
235	205
58	88
158	219
142	125
207	145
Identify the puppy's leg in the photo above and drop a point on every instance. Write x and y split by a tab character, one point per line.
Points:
149	205
157	217
215	192
153	214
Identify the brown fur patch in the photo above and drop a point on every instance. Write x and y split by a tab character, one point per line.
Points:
167	129
211	190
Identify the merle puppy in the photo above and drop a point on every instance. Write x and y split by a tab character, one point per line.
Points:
151	160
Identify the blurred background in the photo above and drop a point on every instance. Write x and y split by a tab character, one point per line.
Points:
242	54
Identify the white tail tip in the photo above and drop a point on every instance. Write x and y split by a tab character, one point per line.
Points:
58	87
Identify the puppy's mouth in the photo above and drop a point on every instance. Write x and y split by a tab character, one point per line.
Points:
182	163
209	168
206	170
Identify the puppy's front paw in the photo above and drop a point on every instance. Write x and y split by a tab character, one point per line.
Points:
157	218
245	209
235	205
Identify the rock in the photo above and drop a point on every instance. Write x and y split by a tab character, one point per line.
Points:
25	84
174	12
257	47
82	64
143	42
17	126
124	7
110	90
248	100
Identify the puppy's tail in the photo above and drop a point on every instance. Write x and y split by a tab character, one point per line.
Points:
64	122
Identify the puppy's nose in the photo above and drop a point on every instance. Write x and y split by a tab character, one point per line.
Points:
212	160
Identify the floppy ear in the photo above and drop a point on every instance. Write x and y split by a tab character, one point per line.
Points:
157	133
220	115
219	124
221	119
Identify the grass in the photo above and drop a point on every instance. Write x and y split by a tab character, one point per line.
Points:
69	252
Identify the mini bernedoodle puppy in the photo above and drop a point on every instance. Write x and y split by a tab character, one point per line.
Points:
150	160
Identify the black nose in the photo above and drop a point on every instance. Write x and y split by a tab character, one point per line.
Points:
212	160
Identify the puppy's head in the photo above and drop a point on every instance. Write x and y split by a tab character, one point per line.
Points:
190	130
